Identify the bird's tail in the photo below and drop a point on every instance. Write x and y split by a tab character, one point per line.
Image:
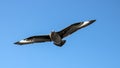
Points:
61	44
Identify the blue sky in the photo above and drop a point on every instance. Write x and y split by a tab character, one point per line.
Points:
96	46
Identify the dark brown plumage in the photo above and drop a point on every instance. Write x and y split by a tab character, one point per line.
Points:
56	37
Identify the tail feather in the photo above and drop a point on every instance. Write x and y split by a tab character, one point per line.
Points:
61	44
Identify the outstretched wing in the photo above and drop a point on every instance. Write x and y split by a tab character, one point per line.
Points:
74	27
34	39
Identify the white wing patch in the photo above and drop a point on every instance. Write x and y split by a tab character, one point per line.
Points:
85	23
25	41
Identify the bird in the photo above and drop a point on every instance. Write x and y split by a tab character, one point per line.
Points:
56	37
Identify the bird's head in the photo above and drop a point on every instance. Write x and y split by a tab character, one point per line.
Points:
53	31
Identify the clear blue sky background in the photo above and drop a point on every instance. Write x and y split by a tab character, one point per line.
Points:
96	46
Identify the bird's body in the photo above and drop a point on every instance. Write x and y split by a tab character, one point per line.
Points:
56	37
